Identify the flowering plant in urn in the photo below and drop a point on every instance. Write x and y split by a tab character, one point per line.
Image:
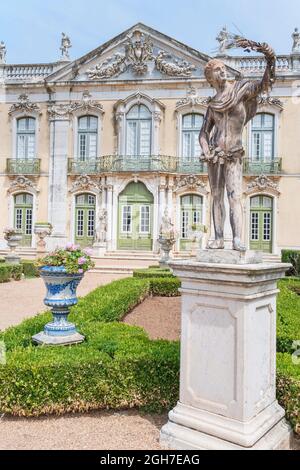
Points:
62	271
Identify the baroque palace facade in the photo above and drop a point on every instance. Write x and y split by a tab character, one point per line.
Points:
100	146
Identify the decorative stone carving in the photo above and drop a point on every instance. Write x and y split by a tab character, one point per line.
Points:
296	41
87	104
24	105
193	99
138	52
265	100
2	53
177	69
190	182
262	183
60	111
223	39
101	229
21	183
85	183
65	46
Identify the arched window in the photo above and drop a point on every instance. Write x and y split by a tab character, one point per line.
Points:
263	137
191	125
26	138
23	211
138	130
87	137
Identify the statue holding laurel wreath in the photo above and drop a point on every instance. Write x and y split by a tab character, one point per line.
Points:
233	106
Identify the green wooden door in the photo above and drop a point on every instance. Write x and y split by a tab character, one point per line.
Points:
23	217
135	218
85	211
261	223
191	213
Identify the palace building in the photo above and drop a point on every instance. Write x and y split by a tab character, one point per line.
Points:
101	145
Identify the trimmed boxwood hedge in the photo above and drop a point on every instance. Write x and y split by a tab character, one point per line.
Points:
288	315
153	272
30	269
293	257
288	388
10	271
117	366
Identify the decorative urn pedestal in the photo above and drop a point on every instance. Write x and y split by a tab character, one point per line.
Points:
42	230
61	295
13	239
228	356
166	246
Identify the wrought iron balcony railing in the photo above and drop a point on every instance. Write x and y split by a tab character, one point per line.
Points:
140	163
23	166
259	167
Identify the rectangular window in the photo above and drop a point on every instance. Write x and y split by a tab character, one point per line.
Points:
267	226
82	146
268	145
145	137
131	146
187	145
184	224
145	219
256	145
126	219
92	152
254	226
18	221
196	217
80	222
91	223
28	228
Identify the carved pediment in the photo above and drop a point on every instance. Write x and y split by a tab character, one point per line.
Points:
22	183
191	183
267	100
262	184
193	99
24	106
85	183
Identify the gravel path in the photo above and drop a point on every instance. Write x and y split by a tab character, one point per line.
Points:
23	299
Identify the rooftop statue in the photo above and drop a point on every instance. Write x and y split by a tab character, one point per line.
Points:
2	53
296	40
65	46
233	106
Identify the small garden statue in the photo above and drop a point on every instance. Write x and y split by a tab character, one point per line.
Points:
196	233
62	272
13	237
42	230
167	236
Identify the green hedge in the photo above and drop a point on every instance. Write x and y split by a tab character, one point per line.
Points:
117	366
10	271
288	315
152	272
288	388
293	257
30	269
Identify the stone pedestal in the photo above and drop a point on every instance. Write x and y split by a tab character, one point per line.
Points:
99	249
228	359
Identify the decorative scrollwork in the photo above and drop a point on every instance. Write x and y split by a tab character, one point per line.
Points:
183	69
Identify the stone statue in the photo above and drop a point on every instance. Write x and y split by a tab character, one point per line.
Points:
296	39
65	46
234	104
101	229
223	40
167	227
2	53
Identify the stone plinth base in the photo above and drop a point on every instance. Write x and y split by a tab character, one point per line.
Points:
47	340
228	356
229	256
99	249
174	436
12	259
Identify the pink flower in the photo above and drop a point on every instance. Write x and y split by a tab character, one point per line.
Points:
88	251
80	271
82	260
69	246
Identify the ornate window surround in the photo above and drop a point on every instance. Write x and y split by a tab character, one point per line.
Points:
121	109
81	112
181	111
15	116
275	111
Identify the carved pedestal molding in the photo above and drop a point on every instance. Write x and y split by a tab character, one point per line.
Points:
228	359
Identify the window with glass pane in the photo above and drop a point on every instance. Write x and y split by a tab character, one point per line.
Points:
191	125
254	226
184	224
28	228
80	222
87	137
91	222
263	137
145	219
126	219
138	131
26	138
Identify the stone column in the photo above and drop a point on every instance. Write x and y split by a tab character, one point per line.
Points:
58	201
228	359
109	216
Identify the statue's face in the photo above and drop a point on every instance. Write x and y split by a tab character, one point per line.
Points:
219	74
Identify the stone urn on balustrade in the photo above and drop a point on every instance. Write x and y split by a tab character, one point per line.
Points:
166	244
42	230
61	284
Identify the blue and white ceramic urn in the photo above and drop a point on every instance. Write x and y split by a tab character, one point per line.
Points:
61	295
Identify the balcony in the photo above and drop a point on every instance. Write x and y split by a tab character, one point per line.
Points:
259	167
136	163
26	166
